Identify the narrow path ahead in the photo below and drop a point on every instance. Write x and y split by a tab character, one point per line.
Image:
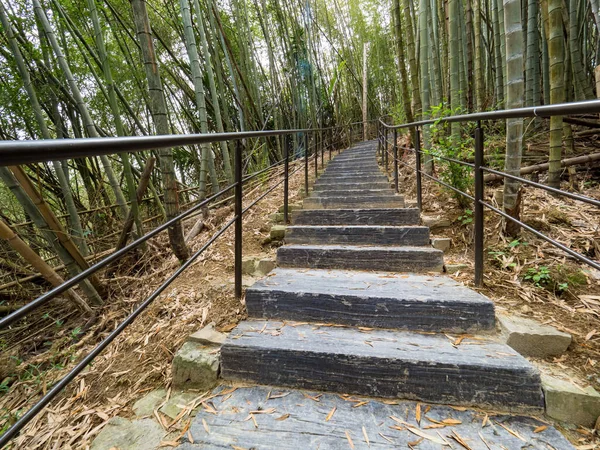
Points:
358	306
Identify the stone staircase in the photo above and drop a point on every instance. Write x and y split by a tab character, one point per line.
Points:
355	256
358	306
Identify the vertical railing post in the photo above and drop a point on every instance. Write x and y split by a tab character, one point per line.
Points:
306	164
418	168
322	145
286	177
315	139
238	220
478	207
396	159
330	142
378	139
386	155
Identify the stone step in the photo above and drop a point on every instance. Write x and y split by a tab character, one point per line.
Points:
382	363
394	259
324	185
360	180
331	420
375	216
358	171
376	201
367	299
357	235
334	191
353	168
356	176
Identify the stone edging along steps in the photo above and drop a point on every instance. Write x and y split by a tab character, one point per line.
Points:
358	306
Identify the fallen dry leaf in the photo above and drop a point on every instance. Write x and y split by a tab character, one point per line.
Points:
418	414
459	439
366	436
330	415
284	417
540	429
349	440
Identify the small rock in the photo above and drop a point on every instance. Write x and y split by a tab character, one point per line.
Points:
249	265
442	244
177	402
129	435
276	217
570	403
453	268
208	336
592	273
531	338
195	366
264	266
278	232
248	281
435	223
147	404
526	309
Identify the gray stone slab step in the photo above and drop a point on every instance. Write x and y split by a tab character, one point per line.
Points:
375	201
344	172
353	169
357	235
380	299
375	216
382	363
357	176
393	259
306	424
334	191
319	186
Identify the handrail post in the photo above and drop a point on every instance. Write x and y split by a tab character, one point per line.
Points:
321	144
396	159
286	177
315	139
378	138
386	150
306	164
478	207
418	168
238	220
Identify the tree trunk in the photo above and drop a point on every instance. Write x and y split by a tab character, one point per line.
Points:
39	264
514	99
161	123
557	88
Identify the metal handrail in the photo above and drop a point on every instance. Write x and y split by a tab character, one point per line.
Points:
21	152
478	167
559	109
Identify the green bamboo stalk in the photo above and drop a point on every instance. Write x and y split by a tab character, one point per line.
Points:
81	105
514	99
557	88
159	115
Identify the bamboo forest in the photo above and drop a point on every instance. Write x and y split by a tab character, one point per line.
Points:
219	113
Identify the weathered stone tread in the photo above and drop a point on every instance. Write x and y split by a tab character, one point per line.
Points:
381	363
396	259
375	216
306	426
373	201
357	235
407	301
